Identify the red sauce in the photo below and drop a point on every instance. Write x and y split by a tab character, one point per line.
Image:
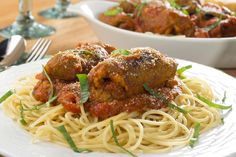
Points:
138	103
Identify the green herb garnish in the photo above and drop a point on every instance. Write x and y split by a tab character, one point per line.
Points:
152	92
198	11
6	95
182	70
196	134
38	107
121	52
84	87
87	52
162	97
50	81
222	120
69	140
224	98
214	25
234	14
212	104
116	140
140	7
48	103
22	117
174	5
113	12
185	11
175	107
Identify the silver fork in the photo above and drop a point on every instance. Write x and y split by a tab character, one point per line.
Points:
39	50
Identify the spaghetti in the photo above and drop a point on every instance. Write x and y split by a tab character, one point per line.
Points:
153	131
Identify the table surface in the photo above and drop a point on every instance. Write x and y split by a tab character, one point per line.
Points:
72	29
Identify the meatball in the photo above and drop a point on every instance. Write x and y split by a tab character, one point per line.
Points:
69	97
122	76
121	20
65	65
156	17
97	45
42	90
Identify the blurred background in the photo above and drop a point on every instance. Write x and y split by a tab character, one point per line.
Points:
68	33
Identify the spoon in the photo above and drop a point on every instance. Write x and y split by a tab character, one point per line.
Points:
11	50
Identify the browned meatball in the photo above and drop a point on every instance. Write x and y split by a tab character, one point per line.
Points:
190	5
69	97
122	76
216	28
127	7
65	65
226	28
157	18
42	90
96	45
214	10
121	20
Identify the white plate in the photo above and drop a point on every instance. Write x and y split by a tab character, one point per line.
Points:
16	142
217	52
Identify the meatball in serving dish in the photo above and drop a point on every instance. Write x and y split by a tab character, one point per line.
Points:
191	18
192	30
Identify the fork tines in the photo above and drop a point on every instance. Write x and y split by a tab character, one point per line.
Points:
39	50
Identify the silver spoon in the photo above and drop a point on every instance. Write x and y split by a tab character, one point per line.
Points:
11	50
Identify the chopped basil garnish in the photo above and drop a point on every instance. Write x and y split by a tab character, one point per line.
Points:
214	25
113	12
84	87
69	140
6	95
116	140
182	70
48	103
212	104
196	134
198	10
162	97
185	12
222	120
140	7
86	52
152	92
224	98
38	107
121	52
50	81
175	107
174	5
22	117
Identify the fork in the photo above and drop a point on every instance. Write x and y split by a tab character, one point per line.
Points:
39	50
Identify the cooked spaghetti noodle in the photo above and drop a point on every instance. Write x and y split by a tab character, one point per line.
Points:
153	131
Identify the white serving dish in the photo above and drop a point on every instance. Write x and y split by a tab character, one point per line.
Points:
217	142
216	52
